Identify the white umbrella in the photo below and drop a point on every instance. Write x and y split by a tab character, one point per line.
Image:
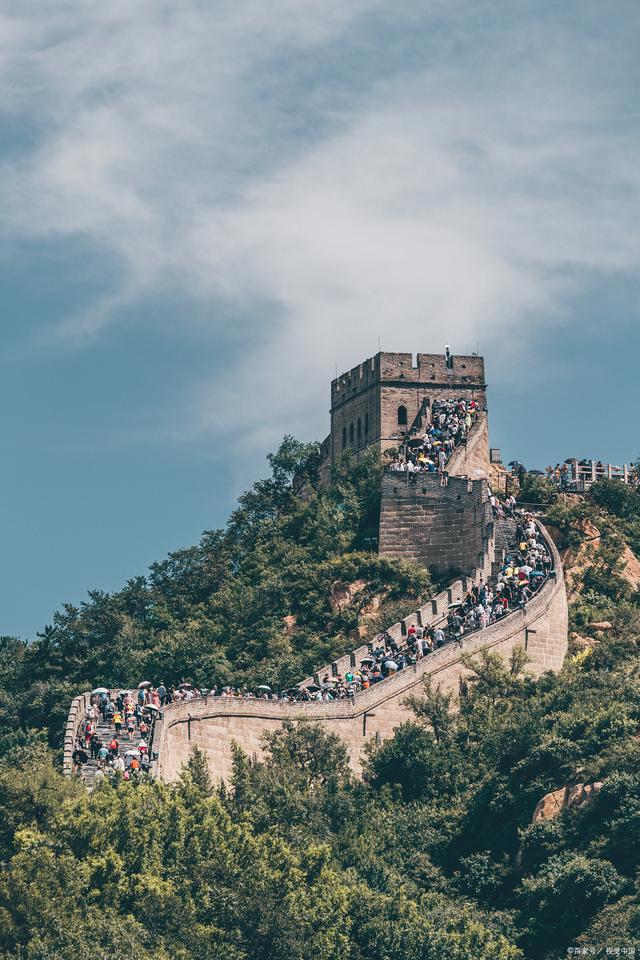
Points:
151	706
144	684
100	690
132	753
264	687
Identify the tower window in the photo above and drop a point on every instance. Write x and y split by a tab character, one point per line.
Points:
344	437
350	433
359	429
402	416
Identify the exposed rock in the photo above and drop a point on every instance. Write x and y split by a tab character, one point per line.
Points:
601	625
577	560
571	795
580	647
631	568
576	643
342	593
290	622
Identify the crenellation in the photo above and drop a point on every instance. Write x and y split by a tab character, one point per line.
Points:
375	391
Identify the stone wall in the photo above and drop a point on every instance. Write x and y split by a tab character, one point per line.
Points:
471	459
212	725
442	528
74	726
541	628
372	392
431	614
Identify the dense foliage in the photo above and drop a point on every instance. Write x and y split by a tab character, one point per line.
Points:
254	603
432	855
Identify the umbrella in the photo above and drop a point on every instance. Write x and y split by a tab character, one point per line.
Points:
391	665
100	690
453	606
151	706
312	688
144	684
132	753
264	687
367	660
185	686
227	688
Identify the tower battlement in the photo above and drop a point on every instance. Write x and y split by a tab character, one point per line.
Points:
387	396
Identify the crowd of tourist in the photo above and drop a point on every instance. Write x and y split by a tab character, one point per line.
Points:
560	475
131	714
451	421
570	474
125	714
522	573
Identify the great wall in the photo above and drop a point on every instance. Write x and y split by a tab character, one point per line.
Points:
446	525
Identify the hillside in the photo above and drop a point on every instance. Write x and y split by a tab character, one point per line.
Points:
505	824
289	584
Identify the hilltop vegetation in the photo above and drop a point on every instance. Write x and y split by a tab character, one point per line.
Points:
434	855
254	603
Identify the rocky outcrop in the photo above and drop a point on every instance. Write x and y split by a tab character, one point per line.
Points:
571	795
578	560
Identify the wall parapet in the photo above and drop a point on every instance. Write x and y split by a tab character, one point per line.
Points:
75	722
213	723
433	611
471	457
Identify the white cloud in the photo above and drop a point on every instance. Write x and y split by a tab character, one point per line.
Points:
227	150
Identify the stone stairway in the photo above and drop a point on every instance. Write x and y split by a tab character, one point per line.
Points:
505	541
106	731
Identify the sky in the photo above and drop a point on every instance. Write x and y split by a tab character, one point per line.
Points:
206	207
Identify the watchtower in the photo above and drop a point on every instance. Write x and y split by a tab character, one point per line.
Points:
389	397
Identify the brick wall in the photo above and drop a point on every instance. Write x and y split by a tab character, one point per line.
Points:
373	391
442	528
471	459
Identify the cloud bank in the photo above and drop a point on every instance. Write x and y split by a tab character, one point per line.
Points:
329	173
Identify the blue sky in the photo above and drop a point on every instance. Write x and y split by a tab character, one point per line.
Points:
205	207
